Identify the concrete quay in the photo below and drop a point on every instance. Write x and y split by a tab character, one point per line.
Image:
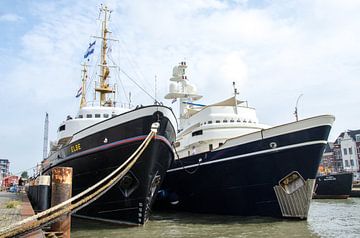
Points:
15	214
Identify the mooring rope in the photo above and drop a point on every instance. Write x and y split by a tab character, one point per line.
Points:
52	214
182	163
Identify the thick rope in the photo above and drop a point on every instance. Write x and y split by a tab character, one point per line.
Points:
182	163
53	213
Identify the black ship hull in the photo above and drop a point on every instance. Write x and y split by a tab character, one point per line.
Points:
96	154
245	179
333	186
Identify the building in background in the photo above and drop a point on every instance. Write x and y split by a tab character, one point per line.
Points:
4	167
328	164
343	154
4	171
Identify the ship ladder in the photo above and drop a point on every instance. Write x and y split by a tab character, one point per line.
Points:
81	200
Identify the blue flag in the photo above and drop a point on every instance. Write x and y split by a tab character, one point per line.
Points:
90	50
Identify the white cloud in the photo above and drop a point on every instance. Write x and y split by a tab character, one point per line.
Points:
10	18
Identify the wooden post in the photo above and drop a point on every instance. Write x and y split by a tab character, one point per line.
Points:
61	183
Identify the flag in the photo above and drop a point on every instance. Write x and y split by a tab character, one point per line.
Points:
79	92
90	50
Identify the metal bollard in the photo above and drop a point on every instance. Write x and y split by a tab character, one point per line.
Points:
35	194
61	189
31	192
43	190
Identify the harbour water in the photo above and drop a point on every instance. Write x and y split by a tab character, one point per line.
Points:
327	218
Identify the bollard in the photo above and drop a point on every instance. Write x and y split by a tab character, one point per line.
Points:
35	194
61	189
43	190
30	191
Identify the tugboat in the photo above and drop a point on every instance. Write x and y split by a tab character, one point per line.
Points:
229	163
102	136
333	186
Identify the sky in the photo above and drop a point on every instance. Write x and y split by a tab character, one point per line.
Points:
275	51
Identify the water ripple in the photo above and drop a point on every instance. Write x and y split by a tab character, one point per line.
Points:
327	218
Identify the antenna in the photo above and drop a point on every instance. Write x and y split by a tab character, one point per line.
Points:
100	10
110	11
155	81
296	108
235	93
235	90
129	99
46	136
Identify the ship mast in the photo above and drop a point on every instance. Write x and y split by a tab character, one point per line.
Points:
182	89
83	94
104	87
46	136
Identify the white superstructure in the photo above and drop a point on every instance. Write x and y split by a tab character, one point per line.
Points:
86	117
204	128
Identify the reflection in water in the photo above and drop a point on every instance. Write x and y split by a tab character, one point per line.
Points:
327	218
335	218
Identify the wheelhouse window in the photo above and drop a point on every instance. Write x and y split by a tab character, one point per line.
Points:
97	115
225	121
232	120
106	115
81	116
210	147
112	115
88	115
62	128
197	133
217	121
209	122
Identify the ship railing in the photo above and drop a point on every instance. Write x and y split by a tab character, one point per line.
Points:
114	104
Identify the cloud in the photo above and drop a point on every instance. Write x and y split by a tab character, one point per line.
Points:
10	18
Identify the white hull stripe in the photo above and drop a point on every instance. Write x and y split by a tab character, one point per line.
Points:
251	154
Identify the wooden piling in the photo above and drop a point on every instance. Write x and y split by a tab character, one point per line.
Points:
61	190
